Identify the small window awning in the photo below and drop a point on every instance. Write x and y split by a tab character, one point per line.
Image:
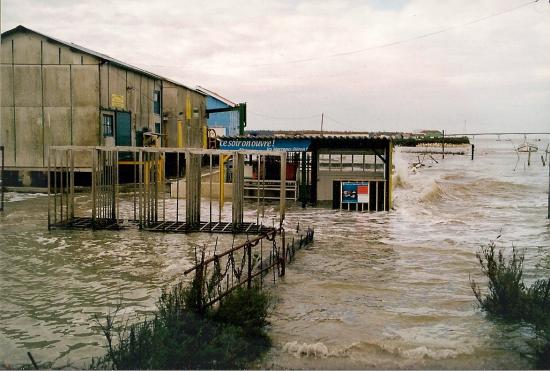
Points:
266	144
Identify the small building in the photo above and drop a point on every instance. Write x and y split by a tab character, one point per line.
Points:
225	117
346	172
57	93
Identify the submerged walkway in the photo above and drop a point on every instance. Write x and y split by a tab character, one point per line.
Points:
163	226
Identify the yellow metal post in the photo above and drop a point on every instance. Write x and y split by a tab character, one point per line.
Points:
180	134
222	181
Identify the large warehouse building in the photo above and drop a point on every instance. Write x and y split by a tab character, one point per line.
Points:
59	93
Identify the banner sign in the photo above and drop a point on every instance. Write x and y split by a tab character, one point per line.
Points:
355	192
275	144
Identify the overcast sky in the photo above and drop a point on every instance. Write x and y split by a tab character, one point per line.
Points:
473	65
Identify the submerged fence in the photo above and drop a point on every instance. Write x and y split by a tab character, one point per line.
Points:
150	174
218	275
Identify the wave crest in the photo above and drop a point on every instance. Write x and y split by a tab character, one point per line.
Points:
309	350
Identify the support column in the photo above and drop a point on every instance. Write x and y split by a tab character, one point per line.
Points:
303	180
238	189
314	175
282	204
193	189
389	182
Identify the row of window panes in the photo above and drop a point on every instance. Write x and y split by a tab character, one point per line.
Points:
341	162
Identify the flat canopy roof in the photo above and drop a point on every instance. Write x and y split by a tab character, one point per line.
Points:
300	143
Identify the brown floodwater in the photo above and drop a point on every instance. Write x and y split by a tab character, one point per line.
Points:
374	290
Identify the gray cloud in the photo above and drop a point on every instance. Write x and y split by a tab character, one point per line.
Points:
278	56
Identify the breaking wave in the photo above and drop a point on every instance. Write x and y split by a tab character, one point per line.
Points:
435	193
320	350
306	350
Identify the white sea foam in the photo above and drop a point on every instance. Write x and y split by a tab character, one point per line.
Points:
16	196
306	350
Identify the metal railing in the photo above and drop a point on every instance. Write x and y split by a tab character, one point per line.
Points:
252	261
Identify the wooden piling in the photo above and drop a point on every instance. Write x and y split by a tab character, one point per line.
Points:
282	194
238	190
443	146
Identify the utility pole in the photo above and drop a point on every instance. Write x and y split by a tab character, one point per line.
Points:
322	119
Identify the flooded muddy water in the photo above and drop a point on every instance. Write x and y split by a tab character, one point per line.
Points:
374	290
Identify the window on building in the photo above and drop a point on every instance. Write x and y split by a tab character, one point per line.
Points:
158	128
156	102
107	125
350	163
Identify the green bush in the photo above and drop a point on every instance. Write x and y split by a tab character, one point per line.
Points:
507	294
247	308
510	299
183	336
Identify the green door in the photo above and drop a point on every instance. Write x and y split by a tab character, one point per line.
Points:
123	129
123	133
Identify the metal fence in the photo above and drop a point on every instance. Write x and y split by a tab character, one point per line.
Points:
258	260
155	172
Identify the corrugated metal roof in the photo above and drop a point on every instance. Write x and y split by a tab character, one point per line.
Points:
215	95
101	56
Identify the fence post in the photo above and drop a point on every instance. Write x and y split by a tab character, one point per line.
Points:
249	277
283	262
199	279
443	146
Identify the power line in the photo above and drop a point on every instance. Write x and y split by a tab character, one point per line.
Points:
315	116
370	48
398	42
347	126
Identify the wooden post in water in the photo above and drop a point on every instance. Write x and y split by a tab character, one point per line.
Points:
282	194
443	146
193	189
473	150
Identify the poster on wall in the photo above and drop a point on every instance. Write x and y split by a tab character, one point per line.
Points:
355	192
363	192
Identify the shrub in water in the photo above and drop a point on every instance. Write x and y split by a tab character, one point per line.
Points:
506	294
183	336
510	299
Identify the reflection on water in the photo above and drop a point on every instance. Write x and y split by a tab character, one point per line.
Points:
386	290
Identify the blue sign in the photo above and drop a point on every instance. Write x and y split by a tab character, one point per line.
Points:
355	192
349	193
275	144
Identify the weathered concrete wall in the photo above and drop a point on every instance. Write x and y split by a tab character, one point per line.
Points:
49	96
191	115
55	94
52	94
136	91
